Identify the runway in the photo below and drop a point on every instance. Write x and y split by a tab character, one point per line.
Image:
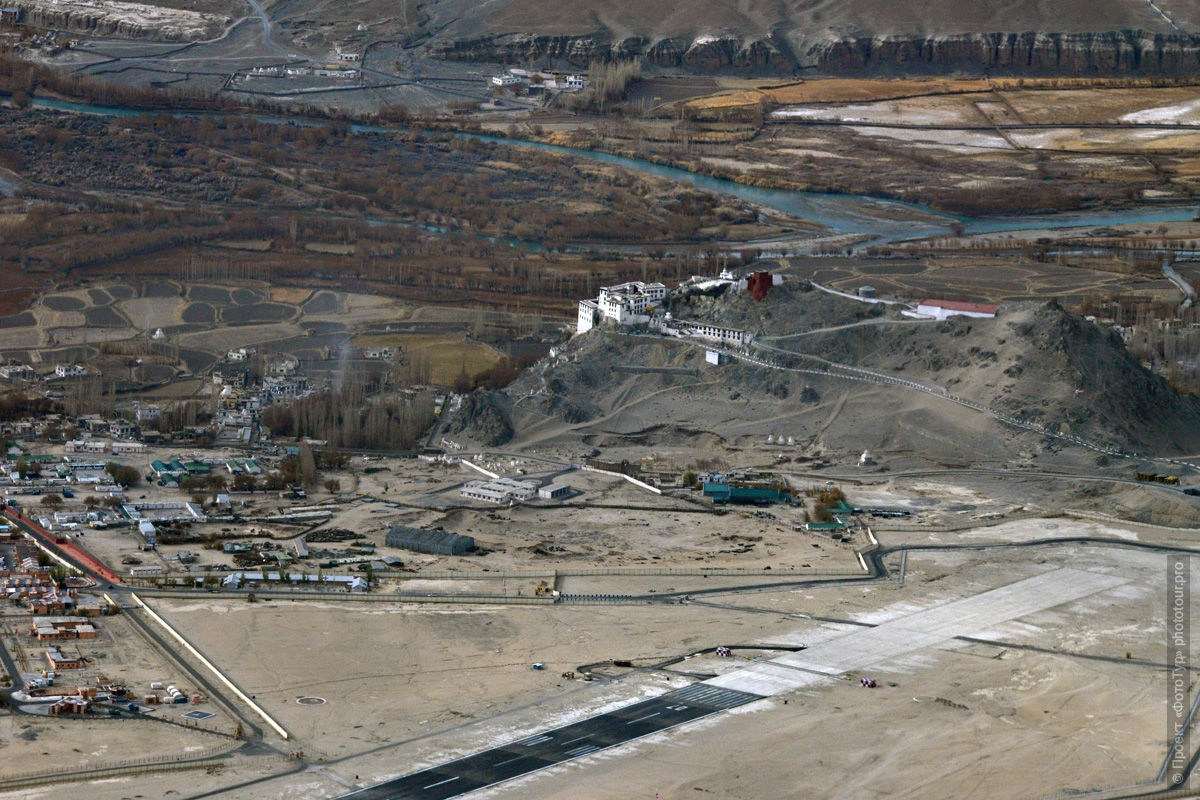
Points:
555	746
846	652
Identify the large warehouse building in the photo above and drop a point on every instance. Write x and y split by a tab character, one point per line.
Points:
420	540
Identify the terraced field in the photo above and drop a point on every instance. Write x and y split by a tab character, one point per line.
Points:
193	326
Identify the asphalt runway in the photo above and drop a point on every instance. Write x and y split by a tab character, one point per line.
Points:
555	746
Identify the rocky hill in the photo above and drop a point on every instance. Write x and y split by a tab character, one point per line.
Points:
1034	361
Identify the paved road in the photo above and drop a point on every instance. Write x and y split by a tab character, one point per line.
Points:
1018	474
552	747
860	324
83	561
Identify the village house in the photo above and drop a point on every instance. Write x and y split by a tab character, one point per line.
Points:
70	371
17	372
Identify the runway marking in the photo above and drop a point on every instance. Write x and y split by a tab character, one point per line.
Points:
705	694
439	783
480	772
532	740
584	750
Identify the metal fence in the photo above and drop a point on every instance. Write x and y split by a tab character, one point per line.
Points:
124	767
374	597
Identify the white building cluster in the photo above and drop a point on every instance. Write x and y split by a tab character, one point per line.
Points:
539	80
625	304
500	490
717	333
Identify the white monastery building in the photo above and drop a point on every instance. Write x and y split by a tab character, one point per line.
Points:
625	304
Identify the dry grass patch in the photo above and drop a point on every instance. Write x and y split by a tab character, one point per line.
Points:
289	294
857	90
449	356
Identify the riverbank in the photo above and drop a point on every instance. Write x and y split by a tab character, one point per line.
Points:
882	218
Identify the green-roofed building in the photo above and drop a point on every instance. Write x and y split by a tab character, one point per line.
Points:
723	493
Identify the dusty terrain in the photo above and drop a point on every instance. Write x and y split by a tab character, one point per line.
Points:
419	675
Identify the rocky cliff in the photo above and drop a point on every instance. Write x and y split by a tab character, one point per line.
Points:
1103	53
705	53
127	20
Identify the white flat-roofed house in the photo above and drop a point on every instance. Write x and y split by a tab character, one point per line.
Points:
17	372
589	315
555	491
383	353
87	446
499	490
716	333
942	309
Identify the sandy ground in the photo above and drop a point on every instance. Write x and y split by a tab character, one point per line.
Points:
34	742
389	673
223	339
149	313
1044	721
951	110
230	770
606	523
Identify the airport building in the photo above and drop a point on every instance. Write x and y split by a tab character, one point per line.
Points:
554	491
499	491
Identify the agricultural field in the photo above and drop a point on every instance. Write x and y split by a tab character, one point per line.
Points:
449	356
180	329
977	144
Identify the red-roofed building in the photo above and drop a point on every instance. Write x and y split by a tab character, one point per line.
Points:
941	309
759	285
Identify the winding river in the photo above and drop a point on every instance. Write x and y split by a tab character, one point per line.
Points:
884	220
